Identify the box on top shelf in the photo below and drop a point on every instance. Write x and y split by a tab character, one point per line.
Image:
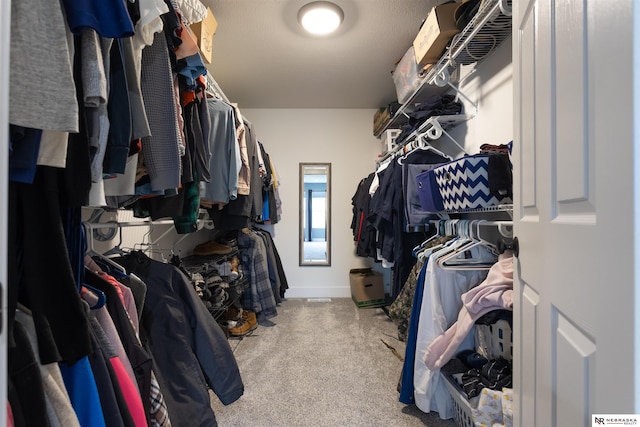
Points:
381	119
204	32
383	116
434	35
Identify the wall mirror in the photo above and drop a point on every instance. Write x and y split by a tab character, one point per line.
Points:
315	214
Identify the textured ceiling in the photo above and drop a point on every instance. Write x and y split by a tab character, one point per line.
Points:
262	58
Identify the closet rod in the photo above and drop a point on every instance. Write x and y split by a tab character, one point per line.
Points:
500	224
202	223
114	224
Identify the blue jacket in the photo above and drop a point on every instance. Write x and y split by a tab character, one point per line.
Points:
188	347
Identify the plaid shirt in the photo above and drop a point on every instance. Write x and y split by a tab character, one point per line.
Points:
253	253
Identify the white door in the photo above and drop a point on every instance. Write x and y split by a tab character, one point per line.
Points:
5	27
575	335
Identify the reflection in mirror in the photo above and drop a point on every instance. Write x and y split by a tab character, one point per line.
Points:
315	214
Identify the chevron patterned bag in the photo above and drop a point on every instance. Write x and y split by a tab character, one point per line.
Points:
464	184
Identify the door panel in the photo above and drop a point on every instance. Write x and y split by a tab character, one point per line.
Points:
527	118
575	212
570	99
574	364
530	301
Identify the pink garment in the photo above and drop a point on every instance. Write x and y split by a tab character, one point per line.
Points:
9	415
91	264
130	393
495	292
112	280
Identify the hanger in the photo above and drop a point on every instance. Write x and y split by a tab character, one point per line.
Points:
117	250
452	260
421	142
424	145
438	234
443	237
93	253
102	298
457	229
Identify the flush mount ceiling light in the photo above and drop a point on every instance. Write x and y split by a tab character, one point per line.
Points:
320	17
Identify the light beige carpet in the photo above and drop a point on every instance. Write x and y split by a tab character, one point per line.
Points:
322	364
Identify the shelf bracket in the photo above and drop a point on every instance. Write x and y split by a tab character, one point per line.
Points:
436	131
444	78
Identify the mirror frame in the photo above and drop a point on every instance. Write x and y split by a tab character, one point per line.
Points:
301	259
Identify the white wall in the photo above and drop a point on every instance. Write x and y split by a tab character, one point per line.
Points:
342	137
490	86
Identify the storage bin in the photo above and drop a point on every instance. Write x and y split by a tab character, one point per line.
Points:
428	192
405	76
465	183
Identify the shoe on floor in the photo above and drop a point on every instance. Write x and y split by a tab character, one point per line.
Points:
212	248
250	318
241	329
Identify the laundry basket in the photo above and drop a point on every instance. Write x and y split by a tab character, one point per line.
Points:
493	341
462	413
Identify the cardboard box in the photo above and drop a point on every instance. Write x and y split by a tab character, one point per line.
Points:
204	32
381	119
435	34
367	287
383	116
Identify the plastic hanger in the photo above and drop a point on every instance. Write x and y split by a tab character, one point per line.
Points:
117	250
452	260
424	145
93	253
102	298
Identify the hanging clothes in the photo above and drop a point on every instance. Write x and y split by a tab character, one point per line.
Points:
495	292
253	255
440	307
225	155
189	348
59	409
34	218
45	55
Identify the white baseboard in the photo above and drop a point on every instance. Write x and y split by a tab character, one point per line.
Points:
341	292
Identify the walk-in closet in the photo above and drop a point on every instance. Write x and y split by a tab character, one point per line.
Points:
222	213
